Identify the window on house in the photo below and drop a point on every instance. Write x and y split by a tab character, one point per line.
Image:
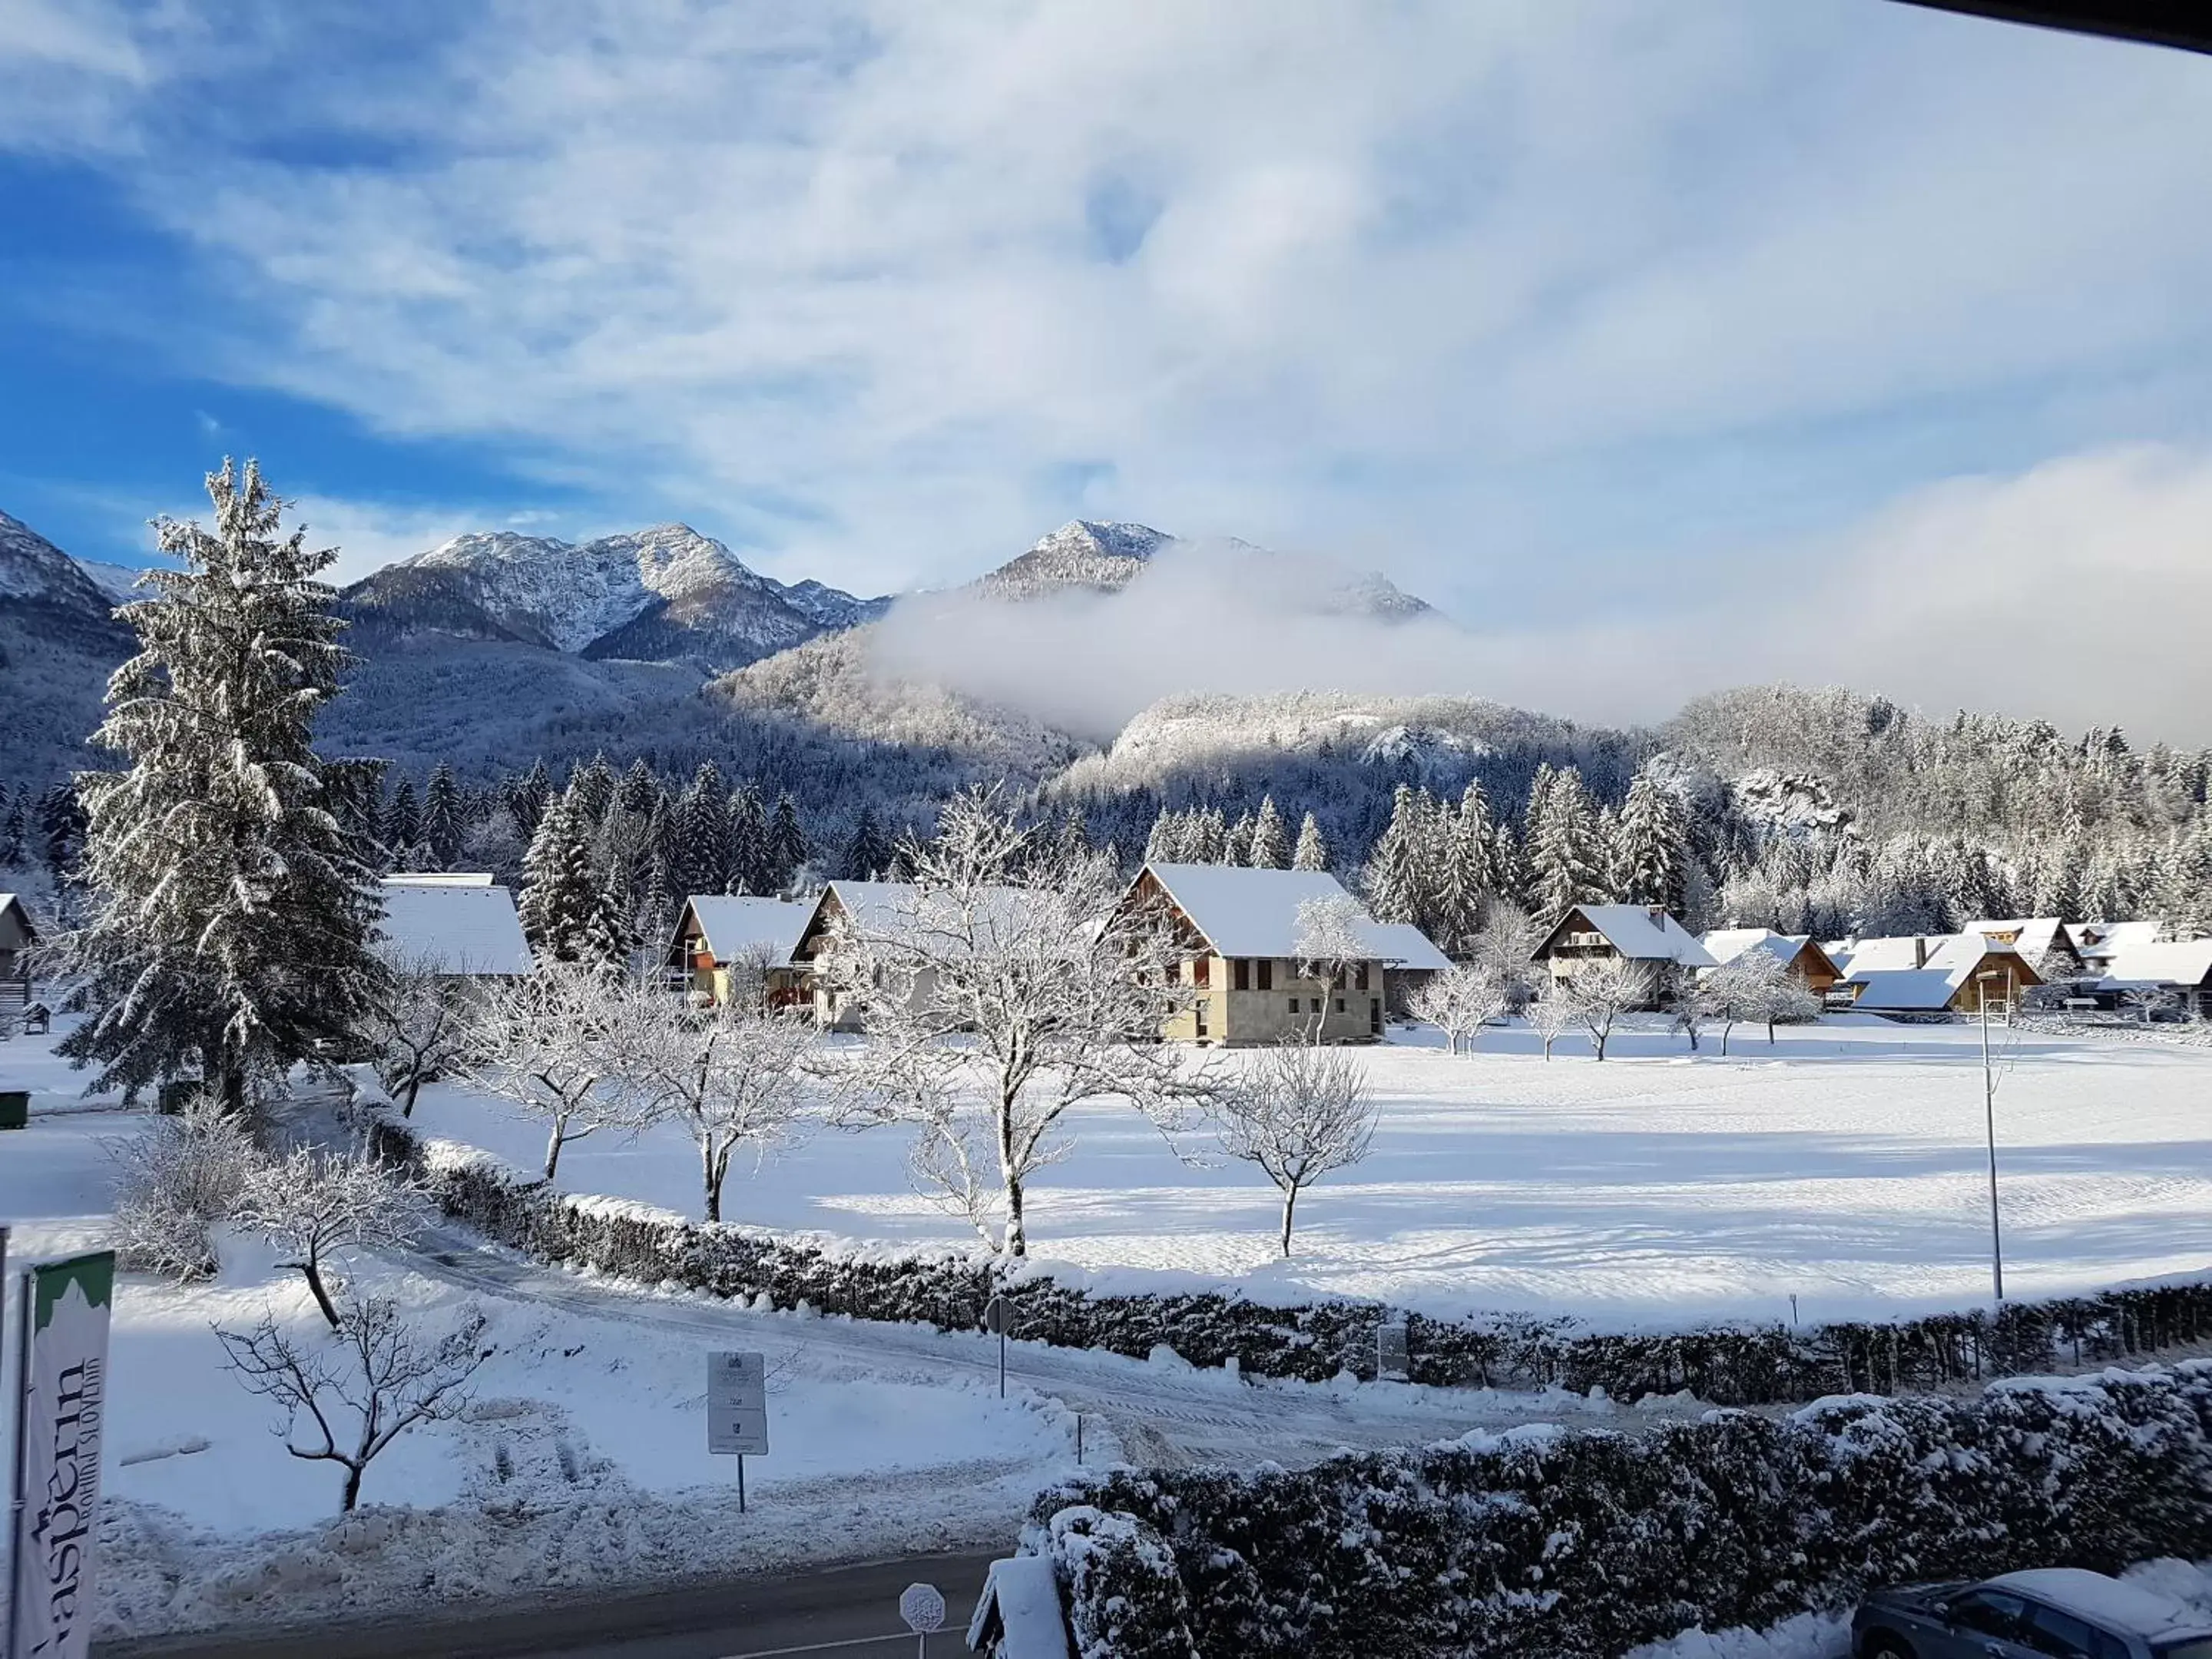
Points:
1200	1012
1201	971
1339	1005
1359	977
1241	972
1375	1017
1294	1005
1268	977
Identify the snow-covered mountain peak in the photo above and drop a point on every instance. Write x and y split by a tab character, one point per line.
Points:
33	568
1081	553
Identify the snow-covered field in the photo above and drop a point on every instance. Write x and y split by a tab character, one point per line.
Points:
580	1461
1844	1165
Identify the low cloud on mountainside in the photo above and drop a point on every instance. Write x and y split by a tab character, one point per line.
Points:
2079	591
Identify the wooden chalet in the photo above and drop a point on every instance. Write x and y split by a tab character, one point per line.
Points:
18	934
453	923
1800	954
727	945
1945	973
1644	934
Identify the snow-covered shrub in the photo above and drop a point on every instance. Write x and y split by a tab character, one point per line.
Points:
175	1183
1589	1542
1728	1364
1128	1597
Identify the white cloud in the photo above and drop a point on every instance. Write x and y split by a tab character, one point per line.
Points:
837	273
2079	591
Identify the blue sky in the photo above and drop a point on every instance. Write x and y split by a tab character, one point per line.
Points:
1709	341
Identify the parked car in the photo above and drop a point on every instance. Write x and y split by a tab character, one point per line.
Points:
2053	1612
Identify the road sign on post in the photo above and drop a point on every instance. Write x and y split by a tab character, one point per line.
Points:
999	1319
1393	1358
737	1410
922	1606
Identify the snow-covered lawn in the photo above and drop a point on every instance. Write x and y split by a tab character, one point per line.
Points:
581	1461
1844	1165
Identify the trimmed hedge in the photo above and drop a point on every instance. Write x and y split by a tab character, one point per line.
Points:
1730	1365
1589	1542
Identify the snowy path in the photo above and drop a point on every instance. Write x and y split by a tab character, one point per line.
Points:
1160	1413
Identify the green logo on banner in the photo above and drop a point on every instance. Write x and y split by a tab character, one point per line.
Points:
93	1275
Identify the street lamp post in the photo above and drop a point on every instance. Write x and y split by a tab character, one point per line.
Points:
1990	1120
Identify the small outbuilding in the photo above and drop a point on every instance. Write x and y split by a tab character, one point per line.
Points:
723	940
886	910
454	923
1800	954
18	934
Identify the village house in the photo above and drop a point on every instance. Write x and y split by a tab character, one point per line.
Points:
1923	973
1250	970
1800	954
2095	942
727	945
451	923
886	910
1644	934
2043	940
17	935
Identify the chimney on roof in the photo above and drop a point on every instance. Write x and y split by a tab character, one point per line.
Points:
1919	952
1657	910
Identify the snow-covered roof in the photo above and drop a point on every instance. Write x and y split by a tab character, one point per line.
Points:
2031	936
9	902
1885	969
2169	962
439	878
1020	1609
738	926
2121	1607
1243	911
1645	934
898	910
1729	943
455	929
2097	939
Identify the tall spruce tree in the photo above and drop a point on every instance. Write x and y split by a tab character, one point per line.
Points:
867	851
746	843
788	850
1237	848
403	822
566	911
1312	852
1470	874
442	818
1271	844
230	910
1651	858
1567	860
1403	871
527	798
702	833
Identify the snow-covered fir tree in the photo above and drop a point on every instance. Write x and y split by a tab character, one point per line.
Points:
1651	857
1567	860
1271	846
750	863
788	849
401	829
566	911
868	850
703	836
1237	848
229	910
1312	852
441	827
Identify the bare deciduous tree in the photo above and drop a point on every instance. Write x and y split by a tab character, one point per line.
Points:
1301	1112
1603	990
1554	1014
1460	1000
557	1043
2147	1002
1506	943
733	1076
416	1023
175	1183
1741	989
312	1202
1009	984
390	1379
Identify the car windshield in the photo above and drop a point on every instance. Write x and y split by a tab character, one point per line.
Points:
2196	1647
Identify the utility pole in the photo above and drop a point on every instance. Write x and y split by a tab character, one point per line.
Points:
1990	1118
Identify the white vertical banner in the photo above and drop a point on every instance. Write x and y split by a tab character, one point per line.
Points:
61	1420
